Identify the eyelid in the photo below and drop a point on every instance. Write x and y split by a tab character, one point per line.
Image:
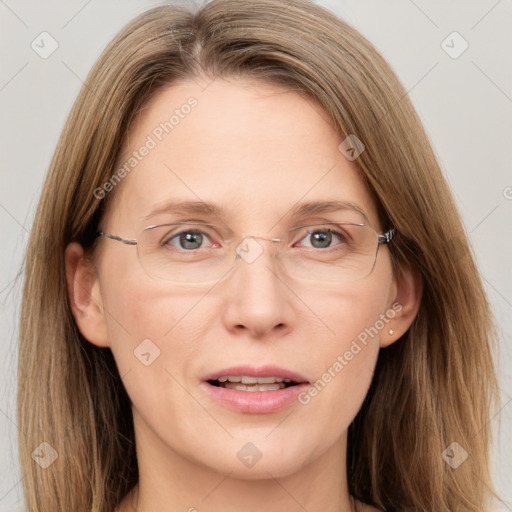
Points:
221	228
180	227
324	223
337	232
175	226
173	232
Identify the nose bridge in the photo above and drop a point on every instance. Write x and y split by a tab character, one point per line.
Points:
260	254
265	238
252	247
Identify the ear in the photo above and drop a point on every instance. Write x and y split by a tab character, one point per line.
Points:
408	290
85	295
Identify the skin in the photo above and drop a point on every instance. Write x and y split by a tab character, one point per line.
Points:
256	150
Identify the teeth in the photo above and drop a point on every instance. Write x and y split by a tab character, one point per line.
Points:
266	380
252	380
250	383
254	387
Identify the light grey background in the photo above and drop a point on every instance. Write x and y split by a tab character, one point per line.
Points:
465	104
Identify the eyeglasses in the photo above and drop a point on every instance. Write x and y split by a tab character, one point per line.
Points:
194	253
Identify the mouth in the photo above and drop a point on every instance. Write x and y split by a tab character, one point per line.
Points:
252	384
251	390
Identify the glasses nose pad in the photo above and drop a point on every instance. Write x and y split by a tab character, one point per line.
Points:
250	249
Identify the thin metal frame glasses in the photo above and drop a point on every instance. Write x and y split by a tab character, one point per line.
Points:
352	257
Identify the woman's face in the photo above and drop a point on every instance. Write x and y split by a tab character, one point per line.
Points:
256	152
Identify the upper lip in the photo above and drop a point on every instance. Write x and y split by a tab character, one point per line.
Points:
252	371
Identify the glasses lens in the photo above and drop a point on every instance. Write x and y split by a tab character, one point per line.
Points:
339	253
184	253
191	253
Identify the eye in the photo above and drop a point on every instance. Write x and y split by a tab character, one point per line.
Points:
187	240
322	238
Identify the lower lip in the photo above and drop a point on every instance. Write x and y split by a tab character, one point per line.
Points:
255	402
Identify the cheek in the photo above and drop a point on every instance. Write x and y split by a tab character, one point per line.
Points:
345	360
154	333
143	318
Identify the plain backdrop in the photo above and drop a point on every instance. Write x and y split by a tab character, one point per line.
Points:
465	102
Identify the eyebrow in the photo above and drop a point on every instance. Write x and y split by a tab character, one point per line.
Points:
306	209
316	207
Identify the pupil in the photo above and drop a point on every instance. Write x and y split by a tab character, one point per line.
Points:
191	240
324	237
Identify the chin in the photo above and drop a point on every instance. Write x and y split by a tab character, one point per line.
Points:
261	458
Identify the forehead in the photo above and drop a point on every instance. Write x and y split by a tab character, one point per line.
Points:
256	150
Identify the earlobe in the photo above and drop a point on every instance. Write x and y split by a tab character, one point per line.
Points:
406	303
85	295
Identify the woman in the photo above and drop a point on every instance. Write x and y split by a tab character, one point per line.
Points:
247	283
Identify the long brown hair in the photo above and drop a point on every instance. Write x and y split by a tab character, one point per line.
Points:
433	387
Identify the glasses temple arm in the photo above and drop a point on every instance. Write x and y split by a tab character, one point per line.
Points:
117	238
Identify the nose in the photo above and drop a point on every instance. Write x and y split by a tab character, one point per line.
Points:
257	299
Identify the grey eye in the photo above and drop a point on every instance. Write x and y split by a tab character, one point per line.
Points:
322	238
188	240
